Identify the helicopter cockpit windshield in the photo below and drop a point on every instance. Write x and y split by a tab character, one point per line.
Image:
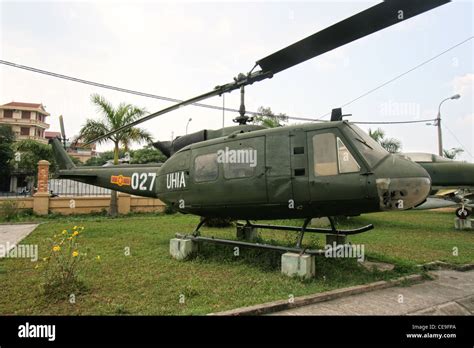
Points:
371	150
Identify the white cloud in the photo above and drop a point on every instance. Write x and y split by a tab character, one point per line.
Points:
463	84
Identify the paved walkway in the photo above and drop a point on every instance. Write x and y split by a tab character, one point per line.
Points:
10	235
452	293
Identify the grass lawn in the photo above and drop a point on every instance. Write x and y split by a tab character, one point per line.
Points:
150	282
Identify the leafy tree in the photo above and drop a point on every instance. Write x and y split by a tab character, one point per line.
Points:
392	145
31	152
452	153
148	154
268	119
6	152
112	119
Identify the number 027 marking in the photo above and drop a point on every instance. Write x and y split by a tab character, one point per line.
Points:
139	181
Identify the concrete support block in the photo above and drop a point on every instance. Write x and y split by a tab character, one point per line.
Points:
462	224
293	264
248	233
339	239
182	248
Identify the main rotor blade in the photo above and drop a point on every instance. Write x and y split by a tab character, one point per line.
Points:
158	113
350	29
241	80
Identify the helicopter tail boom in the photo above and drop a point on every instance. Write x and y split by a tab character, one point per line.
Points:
139	179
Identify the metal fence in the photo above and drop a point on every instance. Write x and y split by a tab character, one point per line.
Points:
61	188
20	192
66	187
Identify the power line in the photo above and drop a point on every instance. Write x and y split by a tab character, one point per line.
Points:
130	91
209	106
393	122
400	75
455	137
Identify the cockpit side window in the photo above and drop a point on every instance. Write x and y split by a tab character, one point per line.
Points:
325	157
347	163
331	156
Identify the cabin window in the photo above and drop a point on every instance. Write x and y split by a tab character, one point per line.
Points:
238	163
238	170
347	163
205	167
325	157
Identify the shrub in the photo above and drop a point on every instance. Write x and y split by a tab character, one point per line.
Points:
10	209
60	269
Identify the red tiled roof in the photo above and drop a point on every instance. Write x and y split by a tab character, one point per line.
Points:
49	135
25	105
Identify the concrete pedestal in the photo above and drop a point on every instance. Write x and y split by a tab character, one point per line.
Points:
462	224
298	265
247	233
339	239
182	248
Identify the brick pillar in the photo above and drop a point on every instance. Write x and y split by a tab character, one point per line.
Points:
124	202
41	197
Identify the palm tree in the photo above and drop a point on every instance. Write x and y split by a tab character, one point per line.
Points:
113	118
392	145
453	153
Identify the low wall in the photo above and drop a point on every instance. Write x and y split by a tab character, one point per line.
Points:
86	204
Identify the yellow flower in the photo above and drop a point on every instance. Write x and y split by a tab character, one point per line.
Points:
64	231
75	228
56	248
75	253
82	228
75	233
69	238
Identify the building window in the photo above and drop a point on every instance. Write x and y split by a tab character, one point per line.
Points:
8	113
24	131
26	115
205	167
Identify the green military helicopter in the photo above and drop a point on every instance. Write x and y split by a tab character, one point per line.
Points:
452	182
304	171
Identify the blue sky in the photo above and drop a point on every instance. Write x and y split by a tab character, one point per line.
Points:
182	49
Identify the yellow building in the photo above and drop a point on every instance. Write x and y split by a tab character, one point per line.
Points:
28	120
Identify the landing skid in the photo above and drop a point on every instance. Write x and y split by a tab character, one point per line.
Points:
332	230
195	236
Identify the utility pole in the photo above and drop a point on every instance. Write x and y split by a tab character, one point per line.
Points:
438	124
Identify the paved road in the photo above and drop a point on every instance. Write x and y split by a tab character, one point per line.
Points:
10	235
452	293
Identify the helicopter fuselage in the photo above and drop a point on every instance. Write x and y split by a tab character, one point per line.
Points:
307	170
